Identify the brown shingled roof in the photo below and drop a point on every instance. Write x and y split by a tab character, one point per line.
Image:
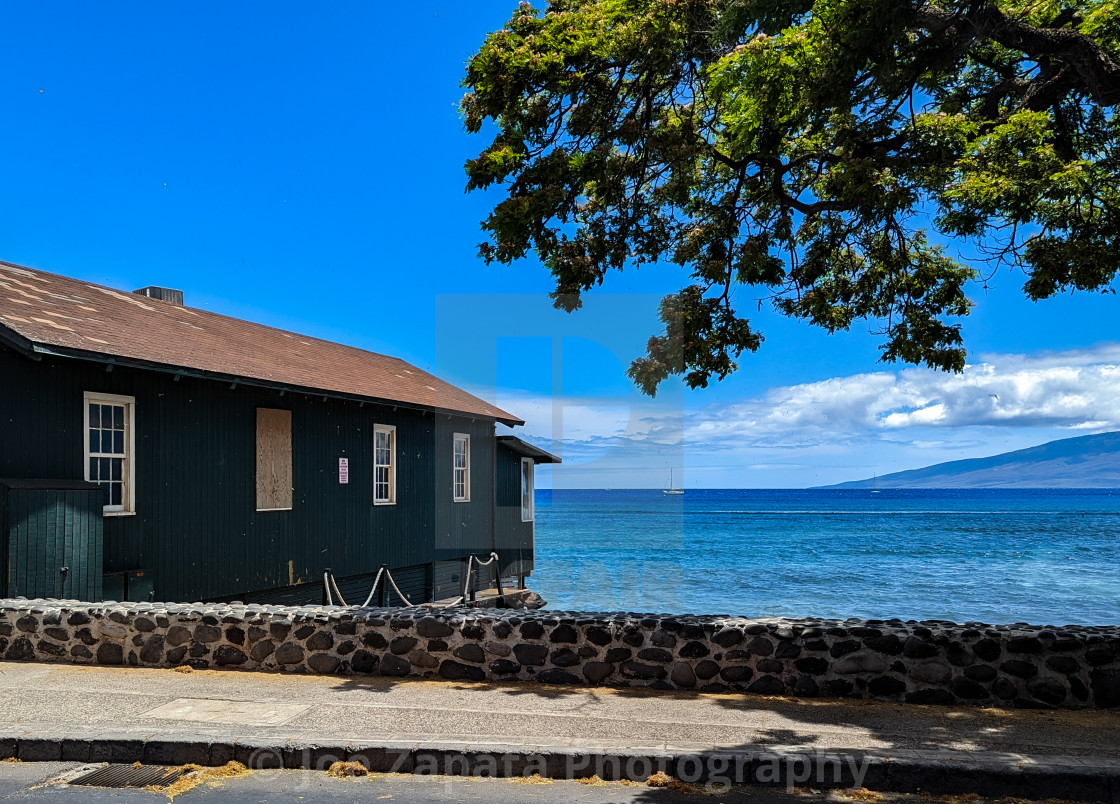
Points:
48	312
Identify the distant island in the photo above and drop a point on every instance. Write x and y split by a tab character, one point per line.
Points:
1085	462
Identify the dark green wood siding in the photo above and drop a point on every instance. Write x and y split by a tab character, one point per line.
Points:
46	530
4	545
515	538
447	579
196	531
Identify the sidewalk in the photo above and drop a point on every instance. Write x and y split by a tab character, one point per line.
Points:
52	712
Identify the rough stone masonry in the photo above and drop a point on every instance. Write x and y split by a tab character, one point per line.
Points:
928	662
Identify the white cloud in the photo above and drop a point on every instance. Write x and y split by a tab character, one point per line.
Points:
836	429
1070	390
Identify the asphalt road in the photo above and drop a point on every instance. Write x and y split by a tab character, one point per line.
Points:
34	782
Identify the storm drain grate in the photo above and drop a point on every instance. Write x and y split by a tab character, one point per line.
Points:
151	776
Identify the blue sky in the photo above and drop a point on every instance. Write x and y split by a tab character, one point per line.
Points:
302	166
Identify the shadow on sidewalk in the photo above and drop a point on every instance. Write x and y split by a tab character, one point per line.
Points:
890	725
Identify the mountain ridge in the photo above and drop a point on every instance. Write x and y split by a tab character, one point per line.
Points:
1091	461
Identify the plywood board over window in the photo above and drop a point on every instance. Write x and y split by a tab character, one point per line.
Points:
274	459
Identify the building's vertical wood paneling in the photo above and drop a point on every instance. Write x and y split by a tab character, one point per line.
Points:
4	561
462	527
447	581
69	540
96	537
21	560
46	529
35	540
28	559
515	538
413	582
196	528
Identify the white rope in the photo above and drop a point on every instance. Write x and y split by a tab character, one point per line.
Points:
335	587
467	577
327	588
393	584
373	589
329	583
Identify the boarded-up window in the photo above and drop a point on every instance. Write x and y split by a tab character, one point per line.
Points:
274	459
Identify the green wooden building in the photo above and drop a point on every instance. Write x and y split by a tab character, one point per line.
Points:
150	450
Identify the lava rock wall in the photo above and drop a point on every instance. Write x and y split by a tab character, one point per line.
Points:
928	662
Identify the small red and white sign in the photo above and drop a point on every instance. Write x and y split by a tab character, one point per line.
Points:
344	470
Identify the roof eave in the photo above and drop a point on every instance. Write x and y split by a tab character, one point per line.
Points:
508	422
523	447
37	350
18	342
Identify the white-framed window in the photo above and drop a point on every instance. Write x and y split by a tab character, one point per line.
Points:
527	489
384	464
110	449
461	468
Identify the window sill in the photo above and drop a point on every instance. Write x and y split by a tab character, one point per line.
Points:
266	510
118	513
384	502
462	500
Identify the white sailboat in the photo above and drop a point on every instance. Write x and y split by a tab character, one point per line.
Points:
672	489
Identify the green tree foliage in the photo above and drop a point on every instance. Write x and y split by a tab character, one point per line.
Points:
796	153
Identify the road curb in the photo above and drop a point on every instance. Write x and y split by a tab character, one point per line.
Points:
988	774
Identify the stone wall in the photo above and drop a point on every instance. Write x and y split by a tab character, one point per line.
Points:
929	662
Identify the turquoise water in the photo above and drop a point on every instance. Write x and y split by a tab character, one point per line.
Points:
997	556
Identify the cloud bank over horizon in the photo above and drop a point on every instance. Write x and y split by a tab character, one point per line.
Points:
1074	390
834	429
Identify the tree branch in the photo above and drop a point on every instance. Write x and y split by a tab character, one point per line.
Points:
1096	73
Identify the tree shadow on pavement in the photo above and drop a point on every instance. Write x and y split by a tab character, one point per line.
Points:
832	723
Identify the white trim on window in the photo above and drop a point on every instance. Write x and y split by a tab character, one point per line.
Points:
461	468
527	487
384	484
115	456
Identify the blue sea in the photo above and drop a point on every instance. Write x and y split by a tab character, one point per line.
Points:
1046	557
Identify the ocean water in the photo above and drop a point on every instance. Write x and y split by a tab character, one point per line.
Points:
1046	557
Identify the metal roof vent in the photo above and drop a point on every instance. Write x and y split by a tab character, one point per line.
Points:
163	294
